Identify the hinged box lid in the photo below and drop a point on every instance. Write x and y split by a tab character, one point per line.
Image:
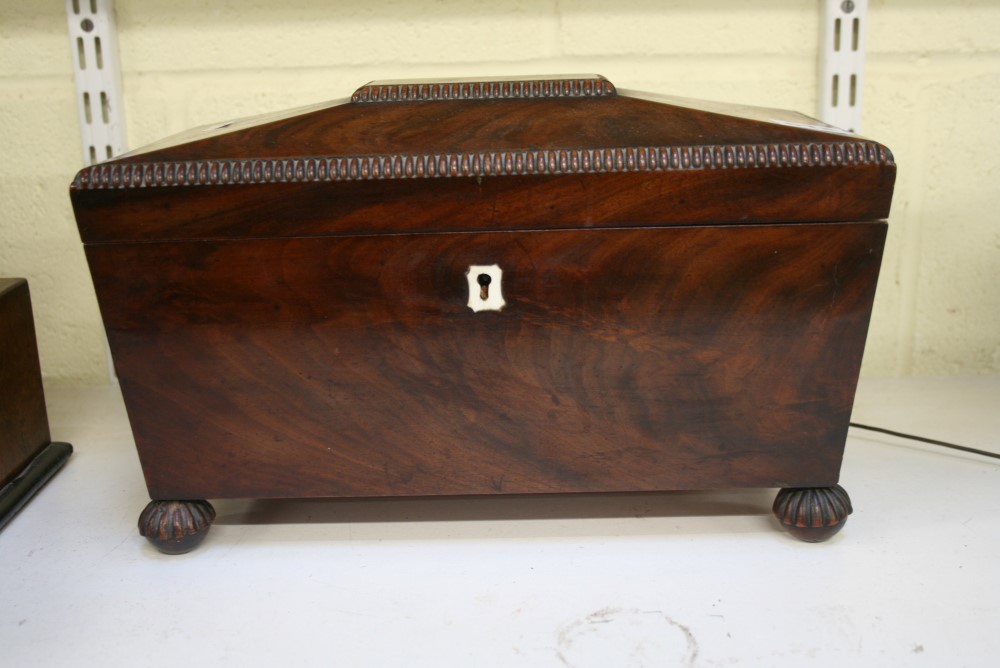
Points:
460	155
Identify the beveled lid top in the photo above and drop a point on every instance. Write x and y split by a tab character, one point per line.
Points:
542	126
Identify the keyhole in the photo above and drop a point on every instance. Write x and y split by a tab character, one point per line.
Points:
486	277
484	281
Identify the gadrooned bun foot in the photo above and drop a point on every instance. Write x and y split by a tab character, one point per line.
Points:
176	527
812	514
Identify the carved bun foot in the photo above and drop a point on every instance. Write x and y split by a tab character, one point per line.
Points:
176	527
812	514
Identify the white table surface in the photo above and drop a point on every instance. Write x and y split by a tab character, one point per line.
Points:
684	579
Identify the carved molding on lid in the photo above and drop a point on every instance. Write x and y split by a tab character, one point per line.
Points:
484	90
117	175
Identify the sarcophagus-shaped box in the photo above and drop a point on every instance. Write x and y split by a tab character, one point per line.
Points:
492	287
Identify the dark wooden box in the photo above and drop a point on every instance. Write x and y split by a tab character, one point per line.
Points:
678	298
28	458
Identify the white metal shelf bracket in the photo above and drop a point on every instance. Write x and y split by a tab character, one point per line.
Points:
93	40
842	62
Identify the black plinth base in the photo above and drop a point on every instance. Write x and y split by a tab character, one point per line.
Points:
19	491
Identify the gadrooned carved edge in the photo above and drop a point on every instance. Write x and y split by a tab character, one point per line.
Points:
113	175
812	507
484	90
174	520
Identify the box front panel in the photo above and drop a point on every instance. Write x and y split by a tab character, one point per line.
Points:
621	360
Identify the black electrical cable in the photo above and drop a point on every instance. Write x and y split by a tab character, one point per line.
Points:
927	440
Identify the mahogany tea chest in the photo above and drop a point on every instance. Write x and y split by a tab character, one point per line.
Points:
489	287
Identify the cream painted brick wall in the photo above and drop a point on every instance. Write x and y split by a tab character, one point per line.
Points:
41	150
931	94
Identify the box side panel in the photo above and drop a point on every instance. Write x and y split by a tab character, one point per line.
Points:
24	426
623	360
